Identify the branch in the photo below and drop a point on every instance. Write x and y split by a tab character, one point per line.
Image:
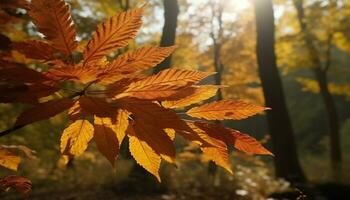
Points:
14	128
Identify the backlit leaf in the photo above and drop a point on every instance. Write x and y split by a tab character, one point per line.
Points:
8	159
140	59
225	109
114	33
53	19
75	137
195	95
106	139
163	85
144	154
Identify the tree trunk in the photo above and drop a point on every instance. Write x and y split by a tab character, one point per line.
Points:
171	11
286	158
321	78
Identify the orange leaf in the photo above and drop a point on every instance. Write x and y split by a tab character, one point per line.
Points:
163	85
53	19
140	59
114	33
44	111
195	94
225	109
106	139
75	137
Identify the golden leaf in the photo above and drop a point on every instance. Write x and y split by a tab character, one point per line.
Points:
219	155
44	111
75	137
196	94
114	33
225	109
53	19
144	154
8	159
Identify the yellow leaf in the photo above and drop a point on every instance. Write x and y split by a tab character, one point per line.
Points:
225	109
219	155
112	34
53	19
75	137
9	159
144	154
121	125
163	85
196	94
106	139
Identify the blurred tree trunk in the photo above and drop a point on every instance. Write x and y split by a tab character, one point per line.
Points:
216	35
320	73
286	158
171	11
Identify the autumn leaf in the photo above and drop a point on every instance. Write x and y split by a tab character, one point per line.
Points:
225	109
219	156
193	95
140	59
21	184
8	159
19	73
36	49
163	85
75	137
43	111
240	141
144	155
114	33
106	139
121	124
52	18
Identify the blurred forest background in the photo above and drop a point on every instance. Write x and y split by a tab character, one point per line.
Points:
294	58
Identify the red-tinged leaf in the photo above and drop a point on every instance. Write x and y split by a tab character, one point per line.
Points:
19	73
140	59
240	141
44	111
36	49
21	184
114	33
76	73
106	138
164	85
225	109
97	106
22	93
53	19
